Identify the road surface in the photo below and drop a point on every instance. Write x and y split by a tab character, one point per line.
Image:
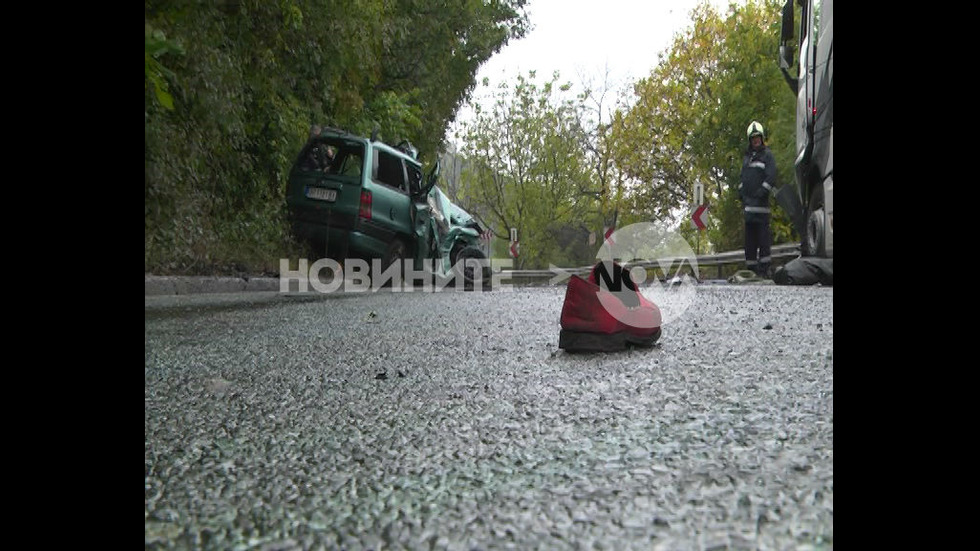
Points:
452	421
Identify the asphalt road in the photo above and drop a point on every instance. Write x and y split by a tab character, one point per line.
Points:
452	421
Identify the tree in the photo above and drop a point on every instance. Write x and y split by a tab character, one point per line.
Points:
528	170
688	121
596	116
432	51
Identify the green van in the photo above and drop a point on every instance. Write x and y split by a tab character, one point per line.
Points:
354	197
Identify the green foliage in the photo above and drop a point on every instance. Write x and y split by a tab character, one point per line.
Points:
156	74
232	89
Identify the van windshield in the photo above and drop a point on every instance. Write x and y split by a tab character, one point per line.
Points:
342	159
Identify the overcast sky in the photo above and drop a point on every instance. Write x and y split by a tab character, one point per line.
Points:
578	36
582	39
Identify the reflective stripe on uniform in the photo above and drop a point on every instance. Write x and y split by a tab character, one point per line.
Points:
765	259
757	164
757	209
767	186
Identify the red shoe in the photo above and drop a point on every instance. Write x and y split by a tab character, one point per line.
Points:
606	313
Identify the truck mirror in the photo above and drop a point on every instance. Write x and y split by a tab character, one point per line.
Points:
785	57
787	21
786	40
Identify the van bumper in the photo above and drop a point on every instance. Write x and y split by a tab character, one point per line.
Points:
339	243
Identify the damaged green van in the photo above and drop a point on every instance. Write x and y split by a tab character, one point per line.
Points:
349	196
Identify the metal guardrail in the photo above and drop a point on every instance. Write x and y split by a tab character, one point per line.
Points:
668	264
778	252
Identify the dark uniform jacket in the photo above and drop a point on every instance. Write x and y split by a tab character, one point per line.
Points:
758	179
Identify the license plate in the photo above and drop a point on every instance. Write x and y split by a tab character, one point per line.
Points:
321	194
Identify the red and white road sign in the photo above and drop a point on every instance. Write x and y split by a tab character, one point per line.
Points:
607	232
515	248
700	216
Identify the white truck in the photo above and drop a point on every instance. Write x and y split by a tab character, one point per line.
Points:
811	204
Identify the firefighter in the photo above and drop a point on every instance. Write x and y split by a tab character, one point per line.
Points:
758	180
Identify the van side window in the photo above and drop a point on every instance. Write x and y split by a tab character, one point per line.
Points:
319	156
389	170
351	165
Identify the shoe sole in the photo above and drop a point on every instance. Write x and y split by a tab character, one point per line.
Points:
575	341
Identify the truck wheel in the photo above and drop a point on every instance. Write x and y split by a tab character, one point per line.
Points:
813	241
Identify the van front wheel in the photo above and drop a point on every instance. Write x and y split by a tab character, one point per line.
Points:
459	256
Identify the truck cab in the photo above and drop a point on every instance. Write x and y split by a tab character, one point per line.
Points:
811	203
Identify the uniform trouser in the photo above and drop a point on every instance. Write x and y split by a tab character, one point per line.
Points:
758	245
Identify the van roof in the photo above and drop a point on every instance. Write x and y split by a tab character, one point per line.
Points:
325	131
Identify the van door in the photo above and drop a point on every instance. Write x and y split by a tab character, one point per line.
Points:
324	191
391	204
